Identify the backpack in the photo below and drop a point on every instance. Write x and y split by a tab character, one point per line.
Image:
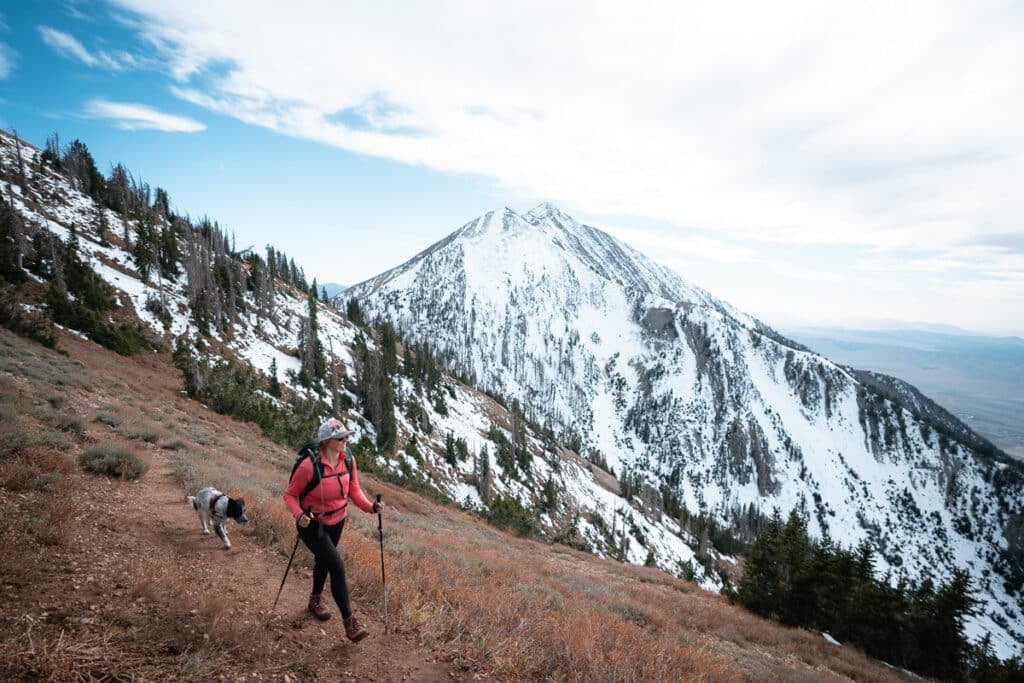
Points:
311	450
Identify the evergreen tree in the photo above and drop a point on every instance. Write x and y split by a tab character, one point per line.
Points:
51	155
169	252
78	163
760	587
275	384
375	389
354	313
483	474
819	586
162	204
10	247
449	450
311	351
388	348
144	250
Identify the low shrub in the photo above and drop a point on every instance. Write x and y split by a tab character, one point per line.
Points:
137	433
47	480
108	419
113	460
32	467
27	324
67	423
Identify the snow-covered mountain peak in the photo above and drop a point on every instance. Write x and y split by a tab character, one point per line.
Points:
496	222
548	211
546	237
692	403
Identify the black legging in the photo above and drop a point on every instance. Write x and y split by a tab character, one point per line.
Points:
322	541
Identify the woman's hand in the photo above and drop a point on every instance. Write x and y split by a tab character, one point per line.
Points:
378	506
302	520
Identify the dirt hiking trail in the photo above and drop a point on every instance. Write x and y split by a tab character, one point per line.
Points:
110	579
137	558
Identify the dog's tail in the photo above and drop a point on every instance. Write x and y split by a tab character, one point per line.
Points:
195	505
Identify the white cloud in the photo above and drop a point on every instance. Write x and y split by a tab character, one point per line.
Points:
129	116
7	58
682	247
817	123
67	45
820	122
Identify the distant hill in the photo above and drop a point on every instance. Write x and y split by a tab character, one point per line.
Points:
976	377
333	289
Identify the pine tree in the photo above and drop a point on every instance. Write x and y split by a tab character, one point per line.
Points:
80	166
51	152
162	204
311	351
796	578
169	252
449	450
354	313
144	250
275	384
10	245
760	588
377	393
483	474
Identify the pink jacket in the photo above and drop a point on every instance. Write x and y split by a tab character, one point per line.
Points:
329	499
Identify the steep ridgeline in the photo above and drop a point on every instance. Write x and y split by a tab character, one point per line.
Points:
700	409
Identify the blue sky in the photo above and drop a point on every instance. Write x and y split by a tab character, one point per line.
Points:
811	163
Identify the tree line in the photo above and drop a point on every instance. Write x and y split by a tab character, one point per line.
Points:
800	582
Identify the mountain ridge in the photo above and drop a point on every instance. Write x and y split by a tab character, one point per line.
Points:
688	397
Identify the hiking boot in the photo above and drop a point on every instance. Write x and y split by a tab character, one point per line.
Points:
318	607
354	630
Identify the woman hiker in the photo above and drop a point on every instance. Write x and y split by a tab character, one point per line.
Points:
320	527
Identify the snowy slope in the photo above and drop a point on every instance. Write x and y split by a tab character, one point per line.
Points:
675	390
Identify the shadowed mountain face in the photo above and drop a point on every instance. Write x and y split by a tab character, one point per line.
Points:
978	378
691	401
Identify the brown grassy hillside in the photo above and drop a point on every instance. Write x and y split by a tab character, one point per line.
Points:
106	578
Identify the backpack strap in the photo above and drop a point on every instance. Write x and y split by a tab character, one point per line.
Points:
314	481
318	473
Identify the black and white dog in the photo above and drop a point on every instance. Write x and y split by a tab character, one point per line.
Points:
213	506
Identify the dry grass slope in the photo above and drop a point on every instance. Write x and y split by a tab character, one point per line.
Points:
82	601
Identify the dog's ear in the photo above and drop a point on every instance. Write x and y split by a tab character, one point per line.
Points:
236	507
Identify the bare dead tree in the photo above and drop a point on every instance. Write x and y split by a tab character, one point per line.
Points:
335	398
58	264
18	228
21	162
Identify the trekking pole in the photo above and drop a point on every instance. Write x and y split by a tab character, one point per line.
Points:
288	568
383	587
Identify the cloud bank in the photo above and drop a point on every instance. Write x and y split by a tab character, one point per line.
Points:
879	127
